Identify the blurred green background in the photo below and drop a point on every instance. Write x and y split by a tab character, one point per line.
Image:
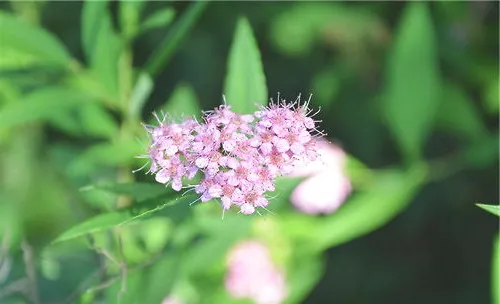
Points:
400	85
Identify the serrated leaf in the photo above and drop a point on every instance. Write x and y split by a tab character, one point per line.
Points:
174	37
413	81
366	211
32	40
40	105
245	83
493	209
161	18
183	102
142	89
123	217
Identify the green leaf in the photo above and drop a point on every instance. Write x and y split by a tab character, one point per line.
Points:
40	105
413	81
245	83
493	209
32	40
173	39
105	154
142	89
458	115
89	119
221	235
303	277
183	102
495	273
122	217
161	18
138	191
101	44
363	213
93	12
130	12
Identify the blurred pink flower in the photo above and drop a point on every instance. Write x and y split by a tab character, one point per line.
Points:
326	186
171	300
252	274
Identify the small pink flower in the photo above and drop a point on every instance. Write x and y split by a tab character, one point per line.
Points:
172	300
252	274
327	186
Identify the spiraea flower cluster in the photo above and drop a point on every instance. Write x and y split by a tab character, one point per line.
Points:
239	156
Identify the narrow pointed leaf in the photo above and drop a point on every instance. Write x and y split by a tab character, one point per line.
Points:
245	83
101	44
174	37
413	81
158	19
140	94
493	209
122	217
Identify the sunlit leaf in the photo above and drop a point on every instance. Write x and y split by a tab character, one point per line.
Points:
161	18
182	103
174	37
118	218
32	40
245	83
413	80
142	89
493	209
130	12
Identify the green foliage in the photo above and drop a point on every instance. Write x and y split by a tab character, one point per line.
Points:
369	210
413	81
40	105
182	102
245	83
495	273
180	29
493	209
79	224
161	18
101	44
26	38
122	217
458	115
142	90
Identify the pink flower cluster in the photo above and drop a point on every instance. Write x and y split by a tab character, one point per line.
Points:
252	274
239	156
